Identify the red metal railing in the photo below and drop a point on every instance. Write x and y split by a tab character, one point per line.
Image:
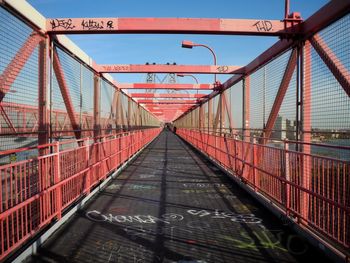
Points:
311	189
36	191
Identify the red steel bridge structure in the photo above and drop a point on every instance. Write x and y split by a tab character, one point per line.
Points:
66	124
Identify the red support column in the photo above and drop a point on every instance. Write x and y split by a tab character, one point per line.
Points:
222	113
246	108
57	179
129	113
306	128
210	115
97	92
43	106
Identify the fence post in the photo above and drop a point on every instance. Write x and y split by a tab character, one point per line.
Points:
255	164
235	153
87	181
287	177
58	179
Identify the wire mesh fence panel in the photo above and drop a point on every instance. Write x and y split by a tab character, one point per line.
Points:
286	122
257	100
236	102
330	105
87	101
106	99
19	83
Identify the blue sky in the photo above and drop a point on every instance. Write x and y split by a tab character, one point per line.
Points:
139	48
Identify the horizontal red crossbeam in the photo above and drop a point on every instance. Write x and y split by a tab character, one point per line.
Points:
166	25
168	101
159	95
189	102
194	69
165	86
165	106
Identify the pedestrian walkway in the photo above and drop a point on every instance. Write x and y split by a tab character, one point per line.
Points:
173	205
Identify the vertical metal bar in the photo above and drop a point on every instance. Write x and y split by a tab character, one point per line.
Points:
97	93
129	113
51	88
264	98
287	176
210	115
255	165
286	9
246	108
43	134
57	180
298	100
306	127
220	106
81	97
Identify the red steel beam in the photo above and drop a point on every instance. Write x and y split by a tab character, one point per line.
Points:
322	18
11	72
43	105
159	95
292	62
333	63
167	101
167	25
165	86
306	123
246	109
193	69
326	15
167	107
66	94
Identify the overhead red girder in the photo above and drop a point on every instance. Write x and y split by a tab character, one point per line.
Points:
329	13
165	86
152	25
160	95
164	68
167	101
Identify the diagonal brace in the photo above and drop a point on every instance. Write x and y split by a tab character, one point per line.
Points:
292	62
333	63
66	94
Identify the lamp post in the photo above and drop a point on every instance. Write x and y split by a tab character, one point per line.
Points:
188	75
190	44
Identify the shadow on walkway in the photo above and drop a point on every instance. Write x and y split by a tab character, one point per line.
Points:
172	205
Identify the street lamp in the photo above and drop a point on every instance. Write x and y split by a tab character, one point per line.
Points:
190	44
188	75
